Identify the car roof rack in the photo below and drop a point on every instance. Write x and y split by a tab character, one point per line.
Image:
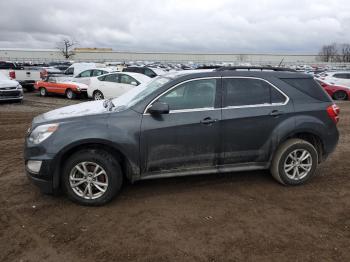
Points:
255	68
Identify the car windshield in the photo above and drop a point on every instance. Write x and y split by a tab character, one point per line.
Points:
3	77
138	93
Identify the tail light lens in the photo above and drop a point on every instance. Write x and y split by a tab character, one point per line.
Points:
12	74
333	112
43	74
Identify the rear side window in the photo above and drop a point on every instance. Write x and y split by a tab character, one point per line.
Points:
342	76
308	86
247	91
111	78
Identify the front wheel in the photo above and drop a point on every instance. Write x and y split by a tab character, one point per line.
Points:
70	94
92	177
98	95
294	162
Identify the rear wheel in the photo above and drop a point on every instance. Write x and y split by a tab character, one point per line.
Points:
98	95
70	94
340	95
43	91
92	177
294	162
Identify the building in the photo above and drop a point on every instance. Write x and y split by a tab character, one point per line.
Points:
107	55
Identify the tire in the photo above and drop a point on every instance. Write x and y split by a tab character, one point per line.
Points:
340	95
110	178
98	95
283	169
42	91
70	94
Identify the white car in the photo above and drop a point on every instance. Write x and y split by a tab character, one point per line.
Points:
10	89
337	78
114	84
85	76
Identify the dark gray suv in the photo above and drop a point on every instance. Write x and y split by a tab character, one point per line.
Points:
185	123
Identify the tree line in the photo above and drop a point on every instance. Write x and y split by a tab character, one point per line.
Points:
335	53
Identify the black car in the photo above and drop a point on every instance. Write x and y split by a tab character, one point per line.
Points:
150	72
185	123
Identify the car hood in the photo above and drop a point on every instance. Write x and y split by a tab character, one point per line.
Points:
79	110
8	83
82	109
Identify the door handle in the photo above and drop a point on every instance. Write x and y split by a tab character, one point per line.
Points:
208	121
276	113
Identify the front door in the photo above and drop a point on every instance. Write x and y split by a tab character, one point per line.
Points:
187	139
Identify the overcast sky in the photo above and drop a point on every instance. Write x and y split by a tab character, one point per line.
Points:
293	26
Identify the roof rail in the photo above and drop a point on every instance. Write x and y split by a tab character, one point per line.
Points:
255	68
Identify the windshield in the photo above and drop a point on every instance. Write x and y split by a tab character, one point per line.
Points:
138	93
3	77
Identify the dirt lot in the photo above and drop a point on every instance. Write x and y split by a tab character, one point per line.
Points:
232	217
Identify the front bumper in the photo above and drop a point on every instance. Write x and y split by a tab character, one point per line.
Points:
11	95
44	178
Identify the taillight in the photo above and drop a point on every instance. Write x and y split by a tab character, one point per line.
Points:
12	74
43	74
333	112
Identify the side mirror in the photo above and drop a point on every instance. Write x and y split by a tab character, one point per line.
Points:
134	83
159	108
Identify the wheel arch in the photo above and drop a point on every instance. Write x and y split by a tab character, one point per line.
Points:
129	168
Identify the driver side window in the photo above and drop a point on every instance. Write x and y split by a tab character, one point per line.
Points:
191	95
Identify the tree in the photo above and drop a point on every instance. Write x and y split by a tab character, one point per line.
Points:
66	47
329	53
345	53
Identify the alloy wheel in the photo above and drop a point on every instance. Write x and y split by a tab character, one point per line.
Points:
298	164
88	180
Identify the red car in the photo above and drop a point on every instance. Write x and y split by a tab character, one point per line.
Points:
336	92
54	85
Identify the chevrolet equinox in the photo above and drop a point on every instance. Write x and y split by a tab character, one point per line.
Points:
185	123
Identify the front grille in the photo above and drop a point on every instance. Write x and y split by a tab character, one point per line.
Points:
8	88
10	94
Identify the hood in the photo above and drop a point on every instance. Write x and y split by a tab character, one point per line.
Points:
82	109
8	83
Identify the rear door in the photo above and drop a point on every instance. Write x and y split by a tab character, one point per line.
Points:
188	138
252	108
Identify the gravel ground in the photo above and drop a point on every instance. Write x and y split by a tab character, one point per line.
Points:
227	217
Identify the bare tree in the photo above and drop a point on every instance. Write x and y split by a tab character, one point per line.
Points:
345	53
329	53
66	47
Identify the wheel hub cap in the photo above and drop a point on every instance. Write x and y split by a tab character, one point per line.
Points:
298	164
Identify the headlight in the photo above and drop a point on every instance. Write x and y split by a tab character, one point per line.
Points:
19	87
40	133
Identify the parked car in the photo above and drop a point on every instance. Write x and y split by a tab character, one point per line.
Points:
85	76
185	124
337	78
150	72
77	68
10	90
114	84
59	85
26	76
335	91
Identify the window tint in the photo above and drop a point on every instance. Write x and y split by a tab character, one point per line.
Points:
86	73
150	73
111	78
70	71
98	72
308	86
343	76
191	95
246	91
125	79
130	69
276	96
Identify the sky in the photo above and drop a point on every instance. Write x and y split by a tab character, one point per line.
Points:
213	26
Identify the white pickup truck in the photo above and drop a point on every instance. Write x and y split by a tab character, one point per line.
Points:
26	76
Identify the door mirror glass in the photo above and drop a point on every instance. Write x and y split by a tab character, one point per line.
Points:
159	108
